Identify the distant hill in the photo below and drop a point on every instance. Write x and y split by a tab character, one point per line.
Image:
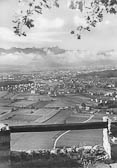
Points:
42	51
102	74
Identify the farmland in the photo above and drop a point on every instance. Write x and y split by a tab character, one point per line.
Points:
38	109
57	98
46	140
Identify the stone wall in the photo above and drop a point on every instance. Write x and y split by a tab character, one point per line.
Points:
4	147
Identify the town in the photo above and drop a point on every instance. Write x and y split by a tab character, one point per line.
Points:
57	97
52	91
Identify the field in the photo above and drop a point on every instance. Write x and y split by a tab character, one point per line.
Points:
22	103
3	93
4	110
48	110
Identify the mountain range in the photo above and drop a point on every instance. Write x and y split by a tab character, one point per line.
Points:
54	57
43	51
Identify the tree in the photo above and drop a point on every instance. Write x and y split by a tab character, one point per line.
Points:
83	105
92	12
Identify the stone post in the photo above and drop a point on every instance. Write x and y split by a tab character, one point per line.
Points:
106	137
113	141
4	146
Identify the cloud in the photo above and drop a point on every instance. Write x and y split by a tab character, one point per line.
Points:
47	24
6	34
35	36
107	22
49	58
79	21
15	58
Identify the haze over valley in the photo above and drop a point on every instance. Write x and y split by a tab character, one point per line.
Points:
54	57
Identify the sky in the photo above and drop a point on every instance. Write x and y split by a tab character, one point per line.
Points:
53	29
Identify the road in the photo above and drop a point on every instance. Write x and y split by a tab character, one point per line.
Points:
57	139
40	140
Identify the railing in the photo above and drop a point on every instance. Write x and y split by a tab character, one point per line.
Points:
58	127
6	131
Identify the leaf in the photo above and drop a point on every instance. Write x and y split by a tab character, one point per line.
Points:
80	6
113	2
24	34
88	29
38	11
44	1
14	27
29	23
57	5
78	36
113	11
71	5
48	6
38	7
30	4
72	32
88	18
14	21
41	3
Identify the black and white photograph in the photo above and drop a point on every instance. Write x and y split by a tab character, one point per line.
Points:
58	83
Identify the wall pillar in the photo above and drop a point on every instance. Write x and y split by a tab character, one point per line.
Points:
106	138
113	141
110	139
4	146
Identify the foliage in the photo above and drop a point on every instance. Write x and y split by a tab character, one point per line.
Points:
92	12
28	9
62	157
